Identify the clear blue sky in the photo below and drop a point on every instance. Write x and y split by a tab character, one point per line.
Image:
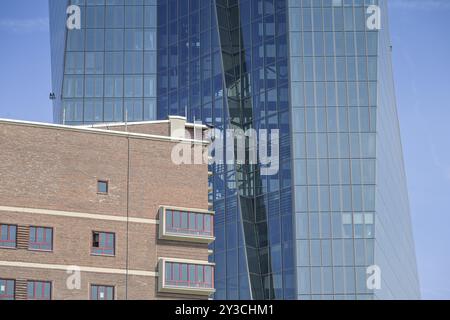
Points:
419	30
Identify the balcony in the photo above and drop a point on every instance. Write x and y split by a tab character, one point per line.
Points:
186	277
191	225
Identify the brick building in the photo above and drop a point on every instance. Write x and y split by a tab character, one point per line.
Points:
103	213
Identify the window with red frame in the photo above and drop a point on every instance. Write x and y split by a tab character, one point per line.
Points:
189	223
103	243
8	236
7	289
41	238
99	292
39	290
188	275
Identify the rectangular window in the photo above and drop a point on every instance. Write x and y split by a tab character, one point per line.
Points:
7	289
102	187
189	223
8	236
39	290
103	243
188	275
41	238
99	292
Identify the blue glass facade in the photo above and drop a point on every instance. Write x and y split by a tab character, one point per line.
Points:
334	99
109	64
310	68
253	38
351	203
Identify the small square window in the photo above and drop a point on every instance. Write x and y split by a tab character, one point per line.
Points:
8	236
102	187
100	292
40	239
103	243
39	290
7	289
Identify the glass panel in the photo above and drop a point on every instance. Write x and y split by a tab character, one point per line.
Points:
7	289
8	236
103	243
38	290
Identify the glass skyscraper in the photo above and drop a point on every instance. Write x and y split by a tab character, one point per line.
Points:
314	70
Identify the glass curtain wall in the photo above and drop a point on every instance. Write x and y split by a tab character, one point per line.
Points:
225	63
110	63
333	66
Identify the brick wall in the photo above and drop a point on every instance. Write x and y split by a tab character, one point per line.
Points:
43	167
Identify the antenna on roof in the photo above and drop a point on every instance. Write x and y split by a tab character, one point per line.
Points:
64	116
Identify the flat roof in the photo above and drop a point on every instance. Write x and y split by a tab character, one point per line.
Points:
96	130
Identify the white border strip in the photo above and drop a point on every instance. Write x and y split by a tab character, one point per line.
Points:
78	215
83	269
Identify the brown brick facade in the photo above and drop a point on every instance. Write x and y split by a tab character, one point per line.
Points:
48	178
